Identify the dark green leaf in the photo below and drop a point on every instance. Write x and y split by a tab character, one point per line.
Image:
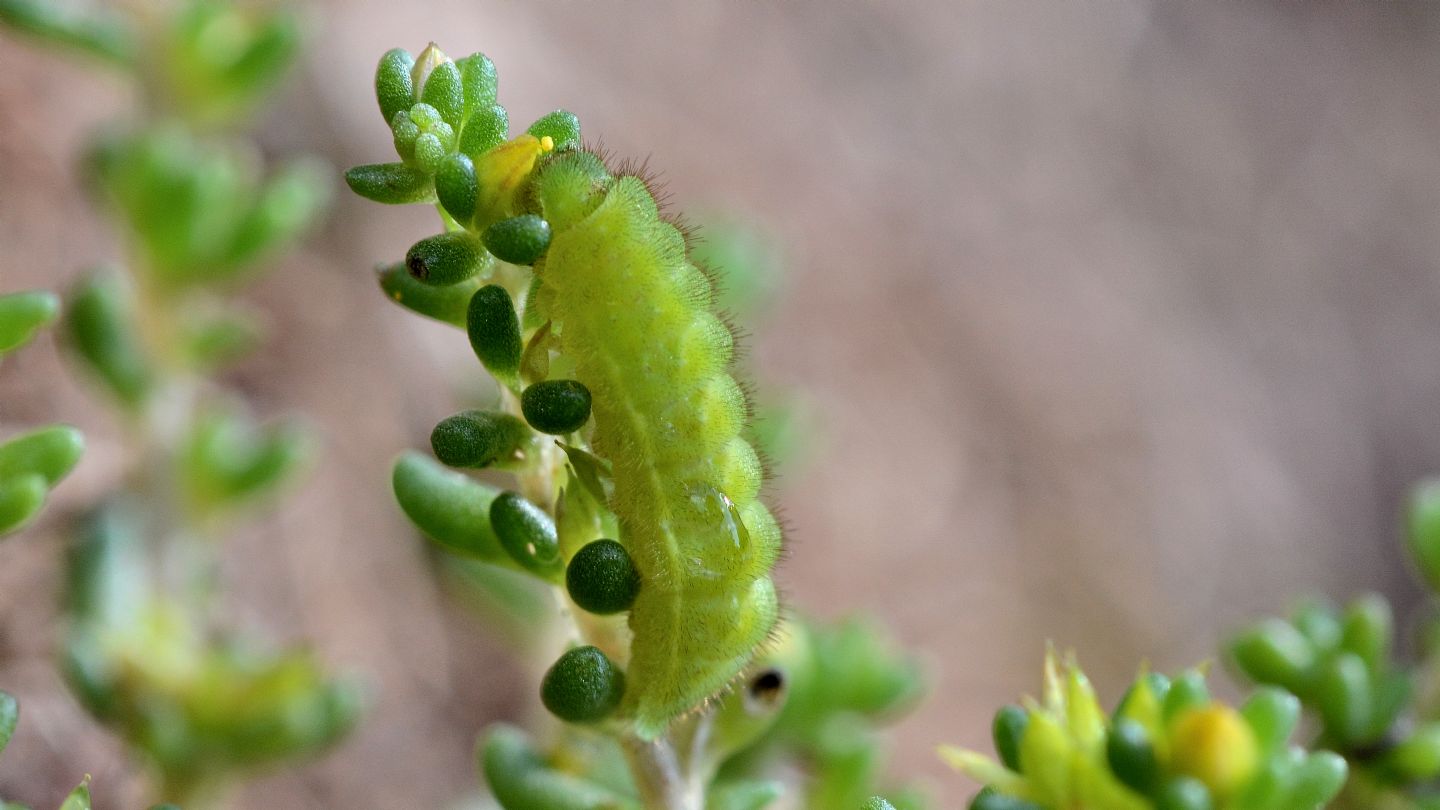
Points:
446	258
444	91
494	331
391	183
447	304
478	439
602	579
455	187
583	686
1006	730
487	128
562	126
392	82
556	407
518	240
477	74
528	535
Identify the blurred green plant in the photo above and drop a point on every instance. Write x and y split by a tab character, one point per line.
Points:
147	651
634	456
1167	746
1377	710
32	463
79	798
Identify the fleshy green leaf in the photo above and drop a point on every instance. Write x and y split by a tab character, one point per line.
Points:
494	331
520	779
479	439
477	74
21	498
487	128
562	126
518	240
443	91
50	452
1274	652
583	686
22	315
230	461
393	88
446	258
101	327
446	304
1343	691
456	188
527	534
290	202
451	508
391	183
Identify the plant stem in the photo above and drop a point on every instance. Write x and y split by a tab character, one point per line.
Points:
658	777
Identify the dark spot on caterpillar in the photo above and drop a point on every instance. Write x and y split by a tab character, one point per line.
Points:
417	267
765	690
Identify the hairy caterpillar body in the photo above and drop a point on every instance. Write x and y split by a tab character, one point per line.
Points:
636	317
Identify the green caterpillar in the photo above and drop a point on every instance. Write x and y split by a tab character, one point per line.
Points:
633	318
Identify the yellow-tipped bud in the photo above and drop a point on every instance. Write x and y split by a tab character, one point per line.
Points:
1213	744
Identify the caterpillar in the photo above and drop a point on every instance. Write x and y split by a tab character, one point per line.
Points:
636	316
634	319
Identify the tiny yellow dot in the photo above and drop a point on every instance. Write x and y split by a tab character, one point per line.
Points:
547	143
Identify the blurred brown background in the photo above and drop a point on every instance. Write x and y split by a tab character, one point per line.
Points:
1117	321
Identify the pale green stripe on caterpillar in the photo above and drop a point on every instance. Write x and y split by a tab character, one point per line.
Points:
635	316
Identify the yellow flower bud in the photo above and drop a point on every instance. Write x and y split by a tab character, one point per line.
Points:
1213	744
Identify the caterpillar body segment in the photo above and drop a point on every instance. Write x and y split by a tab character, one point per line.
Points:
634	315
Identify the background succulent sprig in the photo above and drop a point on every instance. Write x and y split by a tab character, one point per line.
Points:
148	651
32	462
1368	700
1167	746
79	799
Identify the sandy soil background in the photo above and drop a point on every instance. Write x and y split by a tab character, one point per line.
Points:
1116	322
